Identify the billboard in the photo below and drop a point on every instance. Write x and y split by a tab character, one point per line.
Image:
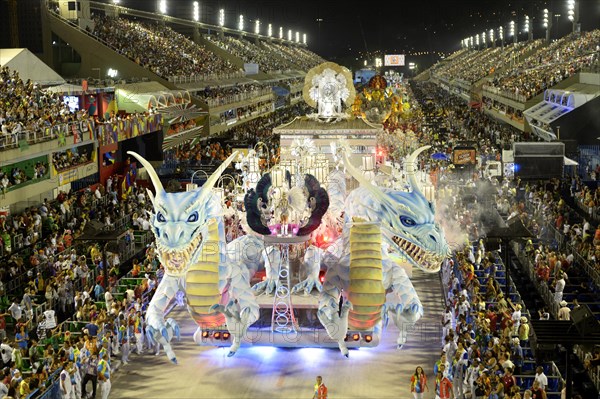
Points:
394	60
464	156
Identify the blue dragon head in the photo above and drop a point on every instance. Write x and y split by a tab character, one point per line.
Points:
180	219
407	218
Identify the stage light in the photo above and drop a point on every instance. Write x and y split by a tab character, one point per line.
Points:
289	35
355	336
221	17
205	334
545	20
297	37
257	26
526	27
571	10
304	38
512	28
217	335
492	35
241	23
270	30
196	11
281	32
162	6
226	336
368	338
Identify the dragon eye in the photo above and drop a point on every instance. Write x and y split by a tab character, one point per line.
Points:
193	217
160	217
408	222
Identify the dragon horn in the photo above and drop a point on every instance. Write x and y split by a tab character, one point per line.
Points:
212	180
151	172
366	183
410	167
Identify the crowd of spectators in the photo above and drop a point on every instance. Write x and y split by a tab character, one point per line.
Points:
548	66
247	134
49	279
244	112
267	60
303	58
217	96
26	106
69	158
11	177
479	64
159	48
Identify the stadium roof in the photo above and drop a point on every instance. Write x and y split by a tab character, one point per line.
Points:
29	66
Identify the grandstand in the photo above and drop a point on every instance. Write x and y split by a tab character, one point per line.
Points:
75	219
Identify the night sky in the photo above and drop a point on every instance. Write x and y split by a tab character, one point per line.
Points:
349	30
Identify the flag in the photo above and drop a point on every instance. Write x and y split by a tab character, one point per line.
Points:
23	144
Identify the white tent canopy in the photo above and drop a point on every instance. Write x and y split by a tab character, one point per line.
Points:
29	66
570	162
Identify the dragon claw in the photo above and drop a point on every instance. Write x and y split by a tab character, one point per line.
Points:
308	285
269	286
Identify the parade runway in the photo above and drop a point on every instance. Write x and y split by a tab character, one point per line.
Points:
267	372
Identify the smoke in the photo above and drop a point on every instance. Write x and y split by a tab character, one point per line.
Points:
465	210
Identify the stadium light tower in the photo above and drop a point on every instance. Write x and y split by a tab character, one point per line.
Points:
221	17
281	32
297	37
477	40
162	6
573	13
257	27
304	38
471	41
501	35
289	35
547	23
270	30
483	40
196	13
492	38
513	32
527	29
241	23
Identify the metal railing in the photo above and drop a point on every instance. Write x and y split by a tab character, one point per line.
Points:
234	98
490	90
529	269
206	77
59	131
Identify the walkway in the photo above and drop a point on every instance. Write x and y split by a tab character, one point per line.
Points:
261	372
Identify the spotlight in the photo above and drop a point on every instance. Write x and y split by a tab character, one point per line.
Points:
226	336
355	336
217	335
368	338
205	334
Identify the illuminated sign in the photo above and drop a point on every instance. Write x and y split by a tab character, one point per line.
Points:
464	156
394	60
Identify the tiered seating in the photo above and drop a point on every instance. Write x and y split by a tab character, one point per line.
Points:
301	57
266	59
548	66
159	48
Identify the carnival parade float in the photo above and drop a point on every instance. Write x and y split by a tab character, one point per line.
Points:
318	261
